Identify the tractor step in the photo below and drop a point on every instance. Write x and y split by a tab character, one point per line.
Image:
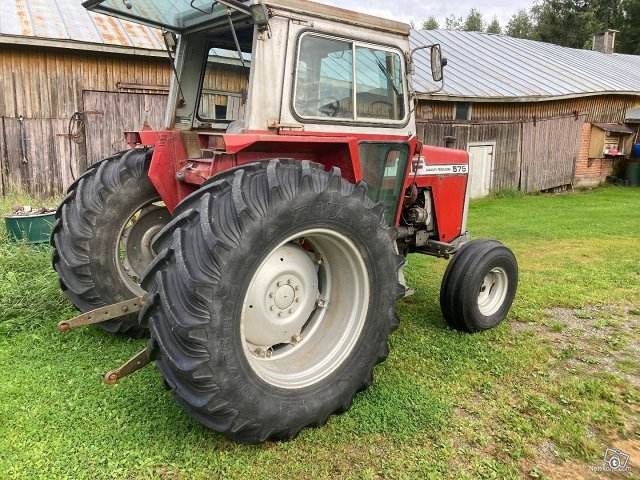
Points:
102	314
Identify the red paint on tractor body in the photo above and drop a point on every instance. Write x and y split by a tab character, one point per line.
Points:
175	175
448	191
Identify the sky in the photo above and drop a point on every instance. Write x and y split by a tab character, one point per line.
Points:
418	11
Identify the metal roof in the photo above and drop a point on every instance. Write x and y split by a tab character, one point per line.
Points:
484	66
67	20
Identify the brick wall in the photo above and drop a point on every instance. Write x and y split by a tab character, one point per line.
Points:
590	171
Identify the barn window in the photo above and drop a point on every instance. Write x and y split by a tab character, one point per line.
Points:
461	111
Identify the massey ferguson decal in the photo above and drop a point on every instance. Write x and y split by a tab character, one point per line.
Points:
424	169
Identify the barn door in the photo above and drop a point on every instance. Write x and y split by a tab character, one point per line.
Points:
110	114
480	168
550	148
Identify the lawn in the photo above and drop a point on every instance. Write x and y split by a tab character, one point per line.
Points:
541	396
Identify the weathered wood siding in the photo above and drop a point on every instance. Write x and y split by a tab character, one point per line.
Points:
598	108
507	136
43	168
46	86
550	149
118	113
48	83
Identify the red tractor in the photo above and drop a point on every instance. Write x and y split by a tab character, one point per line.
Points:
264	254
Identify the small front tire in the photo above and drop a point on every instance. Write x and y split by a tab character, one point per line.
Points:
479	286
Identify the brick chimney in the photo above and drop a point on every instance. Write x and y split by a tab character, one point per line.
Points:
604	42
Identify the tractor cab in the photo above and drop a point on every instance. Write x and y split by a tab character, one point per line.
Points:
303	66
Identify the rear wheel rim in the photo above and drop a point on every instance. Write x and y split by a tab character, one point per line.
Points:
305	308
493	291
133	247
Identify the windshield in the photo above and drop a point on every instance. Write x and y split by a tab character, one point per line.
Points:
176	15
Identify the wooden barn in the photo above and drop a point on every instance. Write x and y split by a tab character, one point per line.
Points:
532	115
71	82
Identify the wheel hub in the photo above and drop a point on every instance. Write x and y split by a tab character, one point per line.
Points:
281	298
493	291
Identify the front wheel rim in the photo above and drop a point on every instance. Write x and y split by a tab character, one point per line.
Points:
493	291
305	308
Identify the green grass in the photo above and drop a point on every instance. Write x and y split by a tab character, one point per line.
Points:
544	393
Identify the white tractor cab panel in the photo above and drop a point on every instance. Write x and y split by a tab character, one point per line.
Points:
313	67
336	76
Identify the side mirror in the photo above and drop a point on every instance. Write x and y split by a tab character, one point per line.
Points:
437	63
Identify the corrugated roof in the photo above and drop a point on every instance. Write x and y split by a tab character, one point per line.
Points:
481	66
67	20
489	66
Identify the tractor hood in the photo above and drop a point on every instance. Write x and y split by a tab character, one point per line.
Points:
180	16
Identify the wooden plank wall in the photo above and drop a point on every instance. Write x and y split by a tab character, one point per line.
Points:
121	112
46	86
599	108
549	152
48	83
43	169
506	135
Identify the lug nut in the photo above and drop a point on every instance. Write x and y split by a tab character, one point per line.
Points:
272	308
279	284
280	314
297	300
288	281
291	310
270	295
297	288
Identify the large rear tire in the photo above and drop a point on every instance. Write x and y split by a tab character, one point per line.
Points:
479	286
273	300
103	233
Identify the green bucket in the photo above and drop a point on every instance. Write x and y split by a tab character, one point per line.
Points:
32	228
633	173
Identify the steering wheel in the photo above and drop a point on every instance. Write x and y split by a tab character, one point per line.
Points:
332	107
382	102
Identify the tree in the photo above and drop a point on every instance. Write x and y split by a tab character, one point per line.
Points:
569	23
453	23
430	24
521	25
473	22
628	40
494	26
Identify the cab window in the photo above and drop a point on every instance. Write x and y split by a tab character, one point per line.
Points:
327	84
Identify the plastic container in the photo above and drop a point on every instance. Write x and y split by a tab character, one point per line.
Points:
635	151
32	228
633	174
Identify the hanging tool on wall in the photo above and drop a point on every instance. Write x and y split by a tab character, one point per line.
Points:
23	139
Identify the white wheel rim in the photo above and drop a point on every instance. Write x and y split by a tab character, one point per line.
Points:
493	291
305	308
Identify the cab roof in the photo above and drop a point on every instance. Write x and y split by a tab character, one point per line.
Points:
186	16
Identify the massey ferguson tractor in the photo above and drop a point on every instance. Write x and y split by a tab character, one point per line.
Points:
263	255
